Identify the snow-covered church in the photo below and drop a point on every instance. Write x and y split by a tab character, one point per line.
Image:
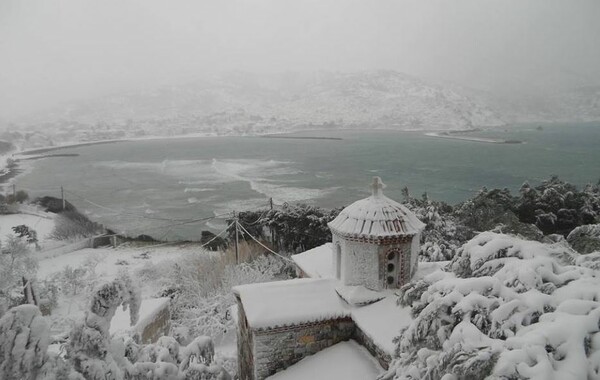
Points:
345	293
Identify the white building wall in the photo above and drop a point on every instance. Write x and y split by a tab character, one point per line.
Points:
360	265
415	247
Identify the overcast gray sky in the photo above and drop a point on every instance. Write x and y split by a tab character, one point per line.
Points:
57	50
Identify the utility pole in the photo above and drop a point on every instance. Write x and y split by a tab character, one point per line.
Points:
270	229
62	195
237	256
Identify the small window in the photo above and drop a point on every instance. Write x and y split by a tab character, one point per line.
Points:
390	280
391	255
390	267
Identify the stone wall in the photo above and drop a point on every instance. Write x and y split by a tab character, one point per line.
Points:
158	326
277	349
245	344
364	340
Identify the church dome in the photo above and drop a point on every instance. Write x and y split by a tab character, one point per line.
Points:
376	217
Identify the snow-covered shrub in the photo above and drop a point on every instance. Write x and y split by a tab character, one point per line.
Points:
28	233
72	280
92	354
70	225
293	227
16	262
23	343
439	238
486	210
585	239
89	341
203	297
166	359
504	308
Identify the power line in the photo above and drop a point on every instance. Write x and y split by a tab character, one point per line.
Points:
202	246
258	219
182	223
122	212
264	246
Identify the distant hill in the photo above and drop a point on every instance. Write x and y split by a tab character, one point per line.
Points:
575	105
239	102
371	99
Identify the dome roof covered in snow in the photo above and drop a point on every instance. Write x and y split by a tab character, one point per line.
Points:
376	217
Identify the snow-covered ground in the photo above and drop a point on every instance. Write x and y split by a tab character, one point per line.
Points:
108	261
103	264
40	221
345	360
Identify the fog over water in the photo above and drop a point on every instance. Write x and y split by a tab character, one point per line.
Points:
63	50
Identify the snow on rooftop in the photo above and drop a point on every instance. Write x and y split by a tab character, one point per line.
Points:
149	308
290	302
345	360
376	217
382	321
316	262
358	295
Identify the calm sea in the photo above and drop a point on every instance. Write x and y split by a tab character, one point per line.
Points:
140	183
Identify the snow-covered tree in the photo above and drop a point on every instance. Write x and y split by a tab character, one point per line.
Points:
504	308
440	235
92	353
24	341
16	262
89	340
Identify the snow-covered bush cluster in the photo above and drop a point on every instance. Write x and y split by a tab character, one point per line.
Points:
441	236
504	308
292	227
585	239
539	213
71	225
24	340
16	262
200	288
92	354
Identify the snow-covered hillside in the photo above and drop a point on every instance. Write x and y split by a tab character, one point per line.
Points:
248	103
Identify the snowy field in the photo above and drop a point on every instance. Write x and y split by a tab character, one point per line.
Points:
103	264
41	222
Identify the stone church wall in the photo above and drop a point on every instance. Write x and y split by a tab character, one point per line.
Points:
280	348
364	340
245	345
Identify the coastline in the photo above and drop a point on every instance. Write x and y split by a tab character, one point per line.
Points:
473	139
9	173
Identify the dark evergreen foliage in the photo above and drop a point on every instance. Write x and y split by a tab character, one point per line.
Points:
291	228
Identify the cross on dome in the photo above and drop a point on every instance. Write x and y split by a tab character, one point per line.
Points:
377	187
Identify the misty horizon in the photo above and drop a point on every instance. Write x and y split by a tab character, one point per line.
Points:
66	51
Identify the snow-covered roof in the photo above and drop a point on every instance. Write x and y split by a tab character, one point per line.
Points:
376	217
316	262
358	295
345	360
382	321
291	302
